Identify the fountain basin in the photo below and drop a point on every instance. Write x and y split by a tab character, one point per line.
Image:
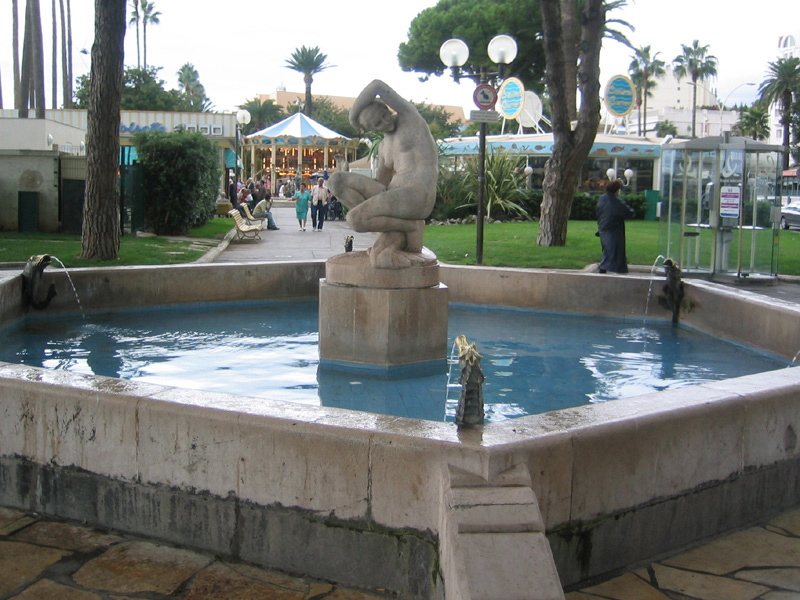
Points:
281	485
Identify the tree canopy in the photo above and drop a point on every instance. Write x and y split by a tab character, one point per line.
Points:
477	22
696	63
142	89
262	114
309	62
781	87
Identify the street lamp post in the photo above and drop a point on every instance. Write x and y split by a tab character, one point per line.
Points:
454	53
628	173
722	106
242	119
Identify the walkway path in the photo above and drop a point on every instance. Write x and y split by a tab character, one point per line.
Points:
289	243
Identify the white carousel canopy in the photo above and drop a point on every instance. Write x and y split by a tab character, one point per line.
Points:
297	129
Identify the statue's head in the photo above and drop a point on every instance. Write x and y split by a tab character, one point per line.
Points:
376	116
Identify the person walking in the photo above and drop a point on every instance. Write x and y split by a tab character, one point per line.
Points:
301	198
319	205
611	214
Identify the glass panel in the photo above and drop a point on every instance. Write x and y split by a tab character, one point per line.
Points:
698	172
671	204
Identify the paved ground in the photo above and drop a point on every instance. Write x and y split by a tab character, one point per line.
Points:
45	559
290	243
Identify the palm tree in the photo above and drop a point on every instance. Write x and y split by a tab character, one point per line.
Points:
642	68
309	62
697	63
189	81
149	17
262	114
135	18
780	87
665	128
753	122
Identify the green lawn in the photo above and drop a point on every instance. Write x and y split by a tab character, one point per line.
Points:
147	250
505	244
514	245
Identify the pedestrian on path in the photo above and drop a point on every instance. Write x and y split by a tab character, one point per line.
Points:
301	198
319	204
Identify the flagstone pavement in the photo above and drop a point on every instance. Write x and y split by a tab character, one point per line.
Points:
48	559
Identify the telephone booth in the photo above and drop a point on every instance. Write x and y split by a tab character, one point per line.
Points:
720	206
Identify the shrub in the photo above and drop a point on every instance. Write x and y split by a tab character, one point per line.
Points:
181	174
450	194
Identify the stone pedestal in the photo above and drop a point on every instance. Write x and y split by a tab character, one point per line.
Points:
382	318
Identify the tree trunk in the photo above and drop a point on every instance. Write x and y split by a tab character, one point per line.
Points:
55	59
694	104
786	122
100	235
65	87
569	27
144	44
570	147
38	58
15	44
26	72
644	102
307	107
70	80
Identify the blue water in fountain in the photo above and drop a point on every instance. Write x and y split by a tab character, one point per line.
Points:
534	361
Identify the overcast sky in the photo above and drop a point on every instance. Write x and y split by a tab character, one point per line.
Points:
239	47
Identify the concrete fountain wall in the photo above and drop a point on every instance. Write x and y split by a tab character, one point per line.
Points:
402	504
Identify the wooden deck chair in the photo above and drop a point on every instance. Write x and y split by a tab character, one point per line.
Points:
245	230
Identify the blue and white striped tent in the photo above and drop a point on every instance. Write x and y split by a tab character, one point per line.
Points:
297	130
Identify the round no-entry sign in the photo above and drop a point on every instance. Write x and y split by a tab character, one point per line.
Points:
485	96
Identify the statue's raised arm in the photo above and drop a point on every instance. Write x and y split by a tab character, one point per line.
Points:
378	89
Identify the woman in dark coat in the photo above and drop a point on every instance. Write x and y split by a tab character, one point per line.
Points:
611	214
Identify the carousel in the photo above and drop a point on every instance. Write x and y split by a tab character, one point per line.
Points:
297	149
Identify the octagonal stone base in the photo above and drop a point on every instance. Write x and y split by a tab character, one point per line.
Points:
401	324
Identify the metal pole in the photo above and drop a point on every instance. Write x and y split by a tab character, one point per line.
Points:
236	160
481	193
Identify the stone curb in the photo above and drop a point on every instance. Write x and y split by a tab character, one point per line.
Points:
214	253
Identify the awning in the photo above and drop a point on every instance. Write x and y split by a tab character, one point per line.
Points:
295	130
230	159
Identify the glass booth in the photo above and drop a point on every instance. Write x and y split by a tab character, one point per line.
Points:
720	206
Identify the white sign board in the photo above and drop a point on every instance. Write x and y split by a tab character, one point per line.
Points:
729	200
484	116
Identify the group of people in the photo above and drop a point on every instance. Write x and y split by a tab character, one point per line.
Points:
318	197
256	196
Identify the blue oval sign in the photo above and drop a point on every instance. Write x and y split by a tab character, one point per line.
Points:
620	95
511	97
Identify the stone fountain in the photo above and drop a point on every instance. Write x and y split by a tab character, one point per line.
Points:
385	308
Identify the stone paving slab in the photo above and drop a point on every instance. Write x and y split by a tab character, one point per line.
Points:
47	559
755	563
